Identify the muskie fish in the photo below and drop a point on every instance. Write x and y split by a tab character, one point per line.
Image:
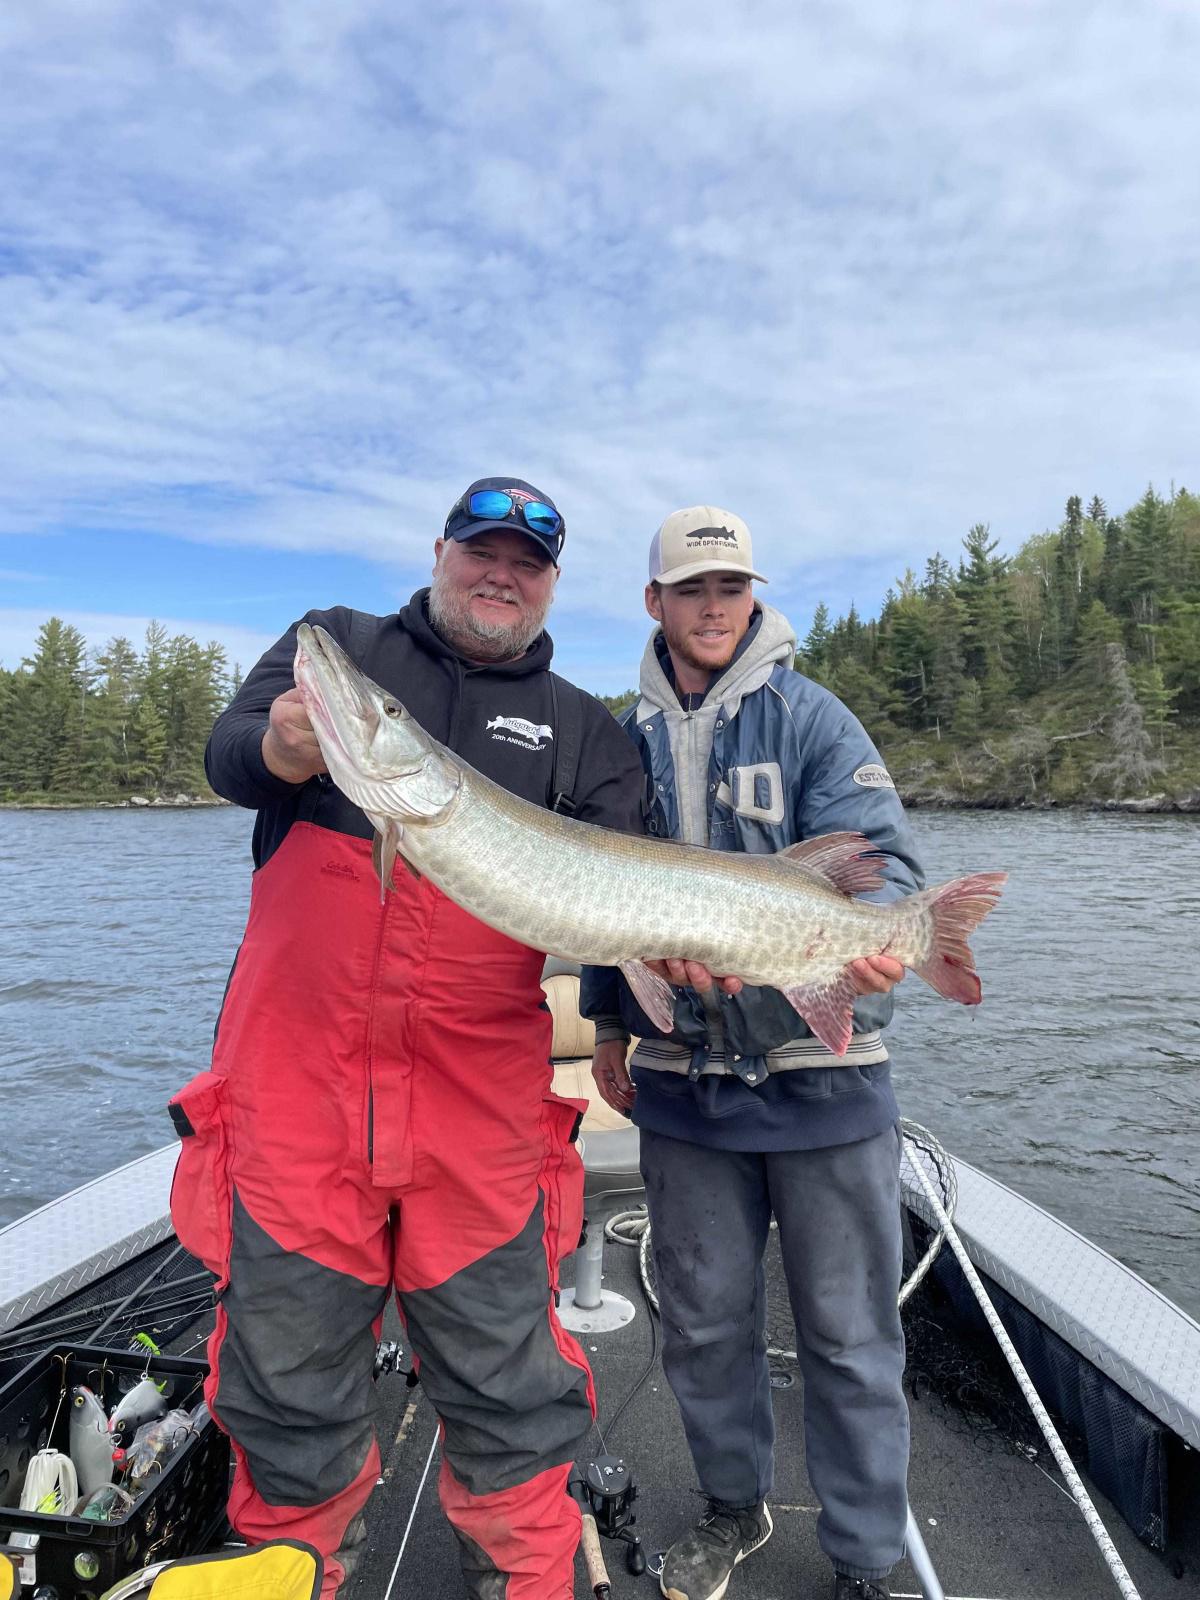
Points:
596	896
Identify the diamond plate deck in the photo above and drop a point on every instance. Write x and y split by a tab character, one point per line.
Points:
68	1244
1121	1323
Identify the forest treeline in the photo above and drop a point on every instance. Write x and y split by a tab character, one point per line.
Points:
105	725
1069	671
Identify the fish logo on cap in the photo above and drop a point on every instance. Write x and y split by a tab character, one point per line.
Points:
698	540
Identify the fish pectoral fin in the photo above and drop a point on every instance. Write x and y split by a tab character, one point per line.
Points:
828	1008
654	994
384	850
849	861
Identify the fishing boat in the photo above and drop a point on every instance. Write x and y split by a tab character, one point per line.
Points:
1055	1395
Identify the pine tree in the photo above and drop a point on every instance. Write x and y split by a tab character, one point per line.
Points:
987	640
1155	699
939	576
147	745
1144	570
11	733
1068	578
908	651
947	620
52	710
106	745
1110	586
1180	647
1098	629
195	681
814	652
153	683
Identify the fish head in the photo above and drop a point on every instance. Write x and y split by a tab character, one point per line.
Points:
377	753
86	1410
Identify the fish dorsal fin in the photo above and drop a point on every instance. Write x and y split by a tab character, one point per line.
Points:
848	861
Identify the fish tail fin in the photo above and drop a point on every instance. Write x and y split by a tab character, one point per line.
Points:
955	910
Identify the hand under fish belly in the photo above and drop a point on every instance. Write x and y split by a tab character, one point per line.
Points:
791	921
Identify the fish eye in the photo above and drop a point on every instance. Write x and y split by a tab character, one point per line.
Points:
392	709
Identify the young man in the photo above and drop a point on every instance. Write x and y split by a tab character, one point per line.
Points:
378	1117
743	1114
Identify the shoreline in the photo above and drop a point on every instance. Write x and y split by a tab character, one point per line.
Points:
180	803
1141	805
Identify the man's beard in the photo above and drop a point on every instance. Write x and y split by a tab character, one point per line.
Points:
450	612
680	645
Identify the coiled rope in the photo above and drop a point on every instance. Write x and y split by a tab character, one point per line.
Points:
632	1227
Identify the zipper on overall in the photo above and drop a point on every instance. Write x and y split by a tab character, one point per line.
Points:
379	948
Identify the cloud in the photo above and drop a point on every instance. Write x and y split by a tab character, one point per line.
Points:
290	276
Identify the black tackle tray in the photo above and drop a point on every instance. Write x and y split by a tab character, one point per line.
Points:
179	1513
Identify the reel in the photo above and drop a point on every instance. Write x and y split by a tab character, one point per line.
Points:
608	1494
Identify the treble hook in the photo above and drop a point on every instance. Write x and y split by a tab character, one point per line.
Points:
62	1393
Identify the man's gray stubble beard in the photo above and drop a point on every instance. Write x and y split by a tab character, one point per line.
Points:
450	613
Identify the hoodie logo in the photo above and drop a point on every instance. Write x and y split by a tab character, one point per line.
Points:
515	730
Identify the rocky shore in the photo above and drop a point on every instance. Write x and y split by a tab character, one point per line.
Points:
946	800
133	802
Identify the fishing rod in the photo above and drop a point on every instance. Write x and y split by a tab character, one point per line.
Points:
177	1311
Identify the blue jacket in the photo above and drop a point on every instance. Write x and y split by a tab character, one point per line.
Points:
787	761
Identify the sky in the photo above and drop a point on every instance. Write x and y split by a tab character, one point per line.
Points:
277	282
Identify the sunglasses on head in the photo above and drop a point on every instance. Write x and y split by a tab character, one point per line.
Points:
497	505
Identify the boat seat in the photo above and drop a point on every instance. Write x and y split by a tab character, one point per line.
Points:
607	1140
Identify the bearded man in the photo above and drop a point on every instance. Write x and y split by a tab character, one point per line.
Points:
378	1118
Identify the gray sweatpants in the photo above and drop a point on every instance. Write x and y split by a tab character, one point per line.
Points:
838	1211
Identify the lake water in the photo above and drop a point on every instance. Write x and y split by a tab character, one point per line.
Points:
1077	1081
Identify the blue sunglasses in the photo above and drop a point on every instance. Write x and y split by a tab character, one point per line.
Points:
496	505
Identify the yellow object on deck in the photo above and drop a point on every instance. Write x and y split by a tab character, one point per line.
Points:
281	1570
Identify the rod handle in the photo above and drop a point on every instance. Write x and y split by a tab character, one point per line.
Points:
593	1557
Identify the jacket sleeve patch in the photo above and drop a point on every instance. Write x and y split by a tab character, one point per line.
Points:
874	776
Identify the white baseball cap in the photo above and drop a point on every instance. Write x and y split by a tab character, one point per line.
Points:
701	539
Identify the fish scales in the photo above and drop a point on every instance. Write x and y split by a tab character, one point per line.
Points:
604	898
594	896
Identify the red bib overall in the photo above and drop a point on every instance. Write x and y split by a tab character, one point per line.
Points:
362	1133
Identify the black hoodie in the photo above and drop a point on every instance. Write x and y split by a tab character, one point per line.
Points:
470	709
